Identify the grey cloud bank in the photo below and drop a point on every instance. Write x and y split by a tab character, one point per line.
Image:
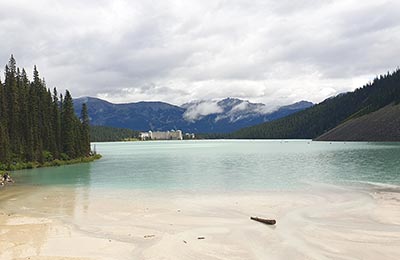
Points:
275	52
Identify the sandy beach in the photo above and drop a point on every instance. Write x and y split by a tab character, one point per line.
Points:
325	223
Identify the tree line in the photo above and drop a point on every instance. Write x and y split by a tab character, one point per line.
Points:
110	134
37	124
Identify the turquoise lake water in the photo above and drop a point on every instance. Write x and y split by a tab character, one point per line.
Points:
226	165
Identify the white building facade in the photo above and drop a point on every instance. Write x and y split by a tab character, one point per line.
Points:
159	135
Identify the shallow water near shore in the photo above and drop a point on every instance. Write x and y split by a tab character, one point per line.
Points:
152	200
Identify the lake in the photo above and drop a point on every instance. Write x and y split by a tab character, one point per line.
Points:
227	165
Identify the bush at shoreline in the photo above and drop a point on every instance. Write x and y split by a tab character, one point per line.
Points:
31	165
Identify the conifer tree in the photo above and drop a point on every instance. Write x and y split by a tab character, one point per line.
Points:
57	123
67	125
85	144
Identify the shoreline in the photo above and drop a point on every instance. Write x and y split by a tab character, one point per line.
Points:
323	223
54	163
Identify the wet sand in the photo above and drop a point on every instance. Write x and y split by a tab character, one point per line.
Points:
77	223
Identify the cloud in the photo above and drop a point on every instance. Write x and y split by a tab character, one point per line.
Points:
275	52
240	107
201	109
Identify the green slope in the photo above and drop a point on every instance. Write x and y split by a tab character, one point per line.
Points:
381	125
319	119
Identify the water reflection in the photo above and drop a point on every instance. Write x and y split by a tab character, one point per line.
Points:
75	175
62	191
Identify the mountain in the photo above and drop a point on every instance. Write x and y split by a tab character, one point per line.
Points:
141	116
381	125
320	118
221	116
231	114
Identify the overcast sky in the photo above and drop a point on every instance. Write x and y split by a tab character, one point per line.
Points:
270	51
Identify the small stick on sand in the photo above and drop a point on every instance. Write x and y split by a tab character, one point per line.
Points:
264	221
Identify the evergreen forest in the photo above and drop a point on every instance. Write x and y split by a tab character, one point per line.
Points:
111	134
38	125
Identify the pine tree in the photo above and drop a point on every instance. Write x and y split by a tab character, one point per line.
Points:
85	144
35	93
67	126
56	118
13	106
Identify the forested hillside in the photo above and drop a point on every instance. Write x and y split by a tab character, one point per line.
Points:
382	125
110	134
326	115
36	125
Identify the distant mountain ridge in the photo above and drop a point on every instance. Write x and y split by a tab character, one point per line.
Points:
221	116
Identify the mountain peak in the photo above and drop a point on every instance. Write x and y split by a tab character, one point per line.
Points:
300	105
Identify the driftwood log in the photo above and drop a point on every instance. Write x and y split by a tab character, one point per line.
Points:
264	221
